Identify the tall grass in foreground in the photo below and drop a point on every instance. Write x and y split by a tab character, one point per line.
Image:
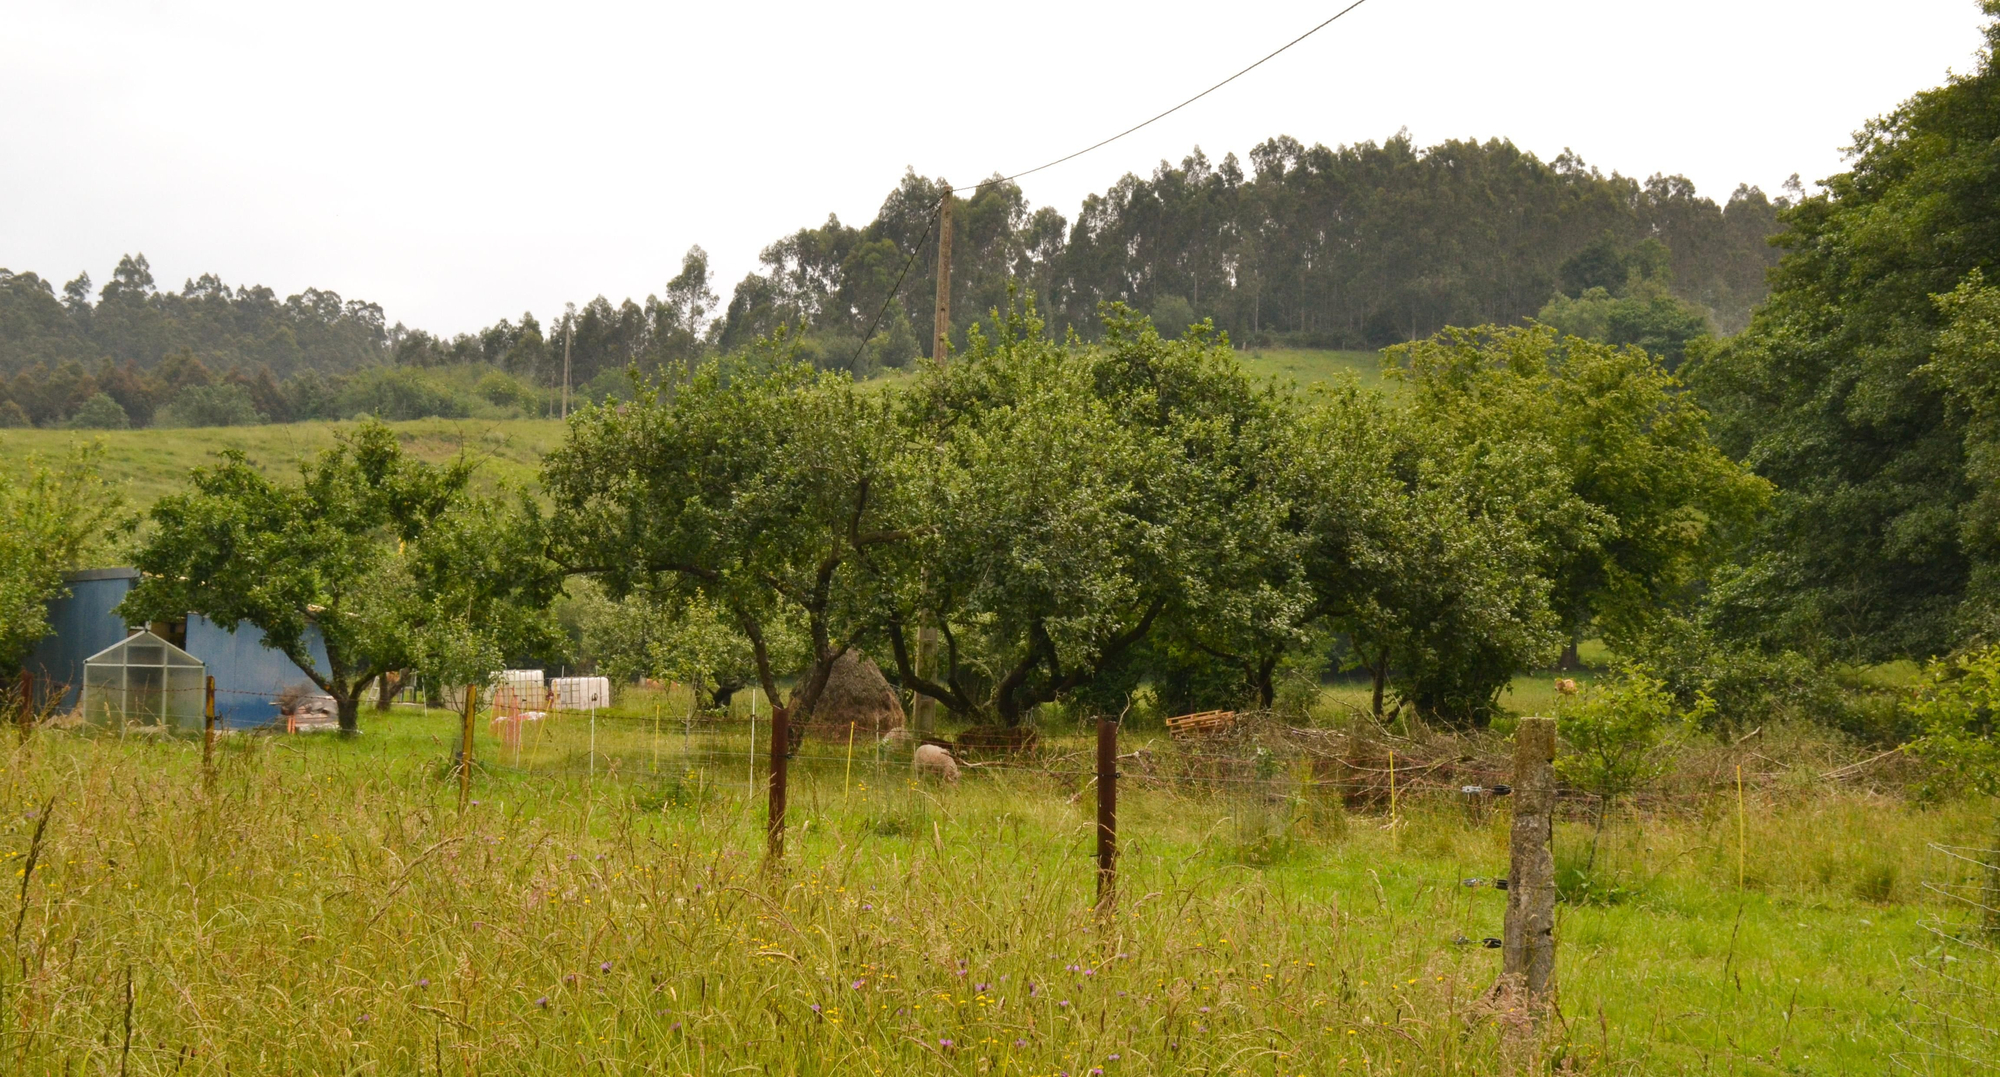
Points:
325	907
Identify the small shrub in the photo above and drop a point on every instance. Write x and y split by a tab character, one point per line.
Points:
100	412
1958	704
395	394
210	405
502	390
1615	733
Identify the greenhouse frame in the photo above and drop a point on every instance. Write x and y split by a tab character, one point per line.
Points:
144	683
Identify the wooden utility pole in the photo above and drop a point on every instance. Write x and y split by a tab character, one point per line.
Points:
1528	955
925	707
569	334
941	325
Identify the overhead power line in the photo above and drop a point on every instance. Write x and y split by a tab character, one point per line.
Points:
1147	123
1100	144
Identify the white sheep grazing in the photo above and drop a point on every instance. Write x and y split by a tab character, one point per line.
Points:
934	762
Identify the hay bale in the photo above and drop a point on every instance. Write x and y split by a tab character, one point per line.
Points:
931	761
856	692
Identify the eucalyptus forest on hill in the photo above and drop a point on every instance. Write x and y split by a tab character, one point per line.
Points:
1355	248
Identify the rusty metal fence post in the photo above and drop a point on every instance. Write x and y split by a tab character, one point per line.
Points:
1107	811
208	729
1528	956
27	715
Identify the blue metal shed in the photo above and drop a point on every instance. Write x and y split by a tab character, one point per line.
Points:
82	624
249	674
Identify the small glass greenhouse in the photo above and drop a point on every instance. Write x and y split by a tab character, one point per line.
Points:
144	682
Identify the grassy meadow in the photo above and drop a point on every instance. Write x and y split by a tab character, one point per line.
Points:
148	463
601	904
1313	366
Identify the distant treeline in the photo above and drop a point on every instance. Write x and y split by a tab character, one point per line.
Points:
1360	246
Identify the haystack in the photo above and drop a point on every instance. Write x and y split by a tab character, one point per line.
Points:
856	692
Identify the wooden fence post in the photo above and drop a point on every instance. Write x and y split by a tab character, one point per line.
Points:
465	746
1528	940
774	823
1107	811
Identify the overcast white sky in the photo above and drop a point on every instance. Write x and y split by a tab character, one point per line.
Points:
461	163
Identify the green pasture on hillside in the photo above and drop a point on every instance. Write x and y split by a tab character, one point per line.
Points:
1313	366
151	462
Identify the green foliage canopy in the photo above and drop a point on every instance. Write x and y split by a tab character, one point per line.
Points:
1631	503
50	523
763	491
1873	549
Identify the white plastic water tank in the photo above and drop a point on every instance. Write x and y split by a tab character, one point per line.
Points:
581	693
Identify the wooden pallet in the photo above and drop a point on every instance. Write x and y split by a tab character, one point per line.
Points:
1202	724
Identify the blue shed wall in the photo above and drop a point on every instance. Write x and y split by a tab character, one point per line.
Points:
248	674
81	625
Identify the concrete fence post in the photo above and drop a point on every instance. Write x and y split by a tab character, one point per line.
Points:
1528	942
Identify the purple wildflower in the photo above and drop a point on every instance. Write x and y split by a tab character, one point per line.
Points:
423	983
543	1002
815	1007
1204	1009
857	984
1020	1043
364	1018
946	1044
982	987
570	979
676	1027
1064	1002
606	967
1070	968
1112	1057
1090	972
